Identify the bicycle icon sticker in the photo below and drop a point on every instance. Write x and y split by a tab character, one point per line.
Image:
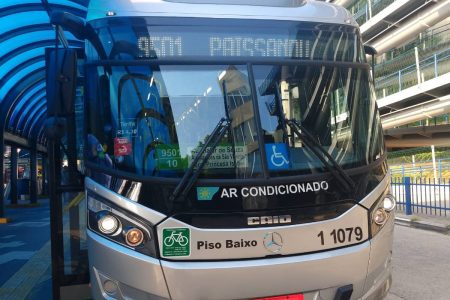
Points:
176	242
277	156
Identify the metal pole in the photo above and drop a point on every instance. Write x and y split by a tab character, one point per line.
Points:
433	157
399	80
44	175
13	180
435	66
369	4
407	185
416	52
367	13
33	176
373	70
440	168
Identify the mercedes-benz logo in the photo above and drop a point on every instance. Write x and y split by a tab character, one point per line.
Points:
273	242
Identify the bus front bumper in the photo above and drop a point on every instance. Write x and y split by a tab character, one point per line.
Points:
365	267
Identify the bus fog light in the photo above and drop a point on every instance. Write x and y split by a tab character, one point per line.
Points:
380	216
110	287
389	203
108	224
134	237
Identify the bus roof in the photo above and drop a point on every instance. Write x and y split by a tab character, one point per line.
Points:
294	10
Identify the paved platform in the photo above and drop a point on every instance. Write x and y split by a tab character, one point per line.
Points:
25	258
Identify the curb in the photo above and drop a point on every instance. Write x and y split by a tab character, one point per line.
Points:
421	225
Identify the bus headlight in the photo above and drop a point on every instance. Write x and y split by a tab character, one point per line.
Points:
380	212
107	224
389	202
119	225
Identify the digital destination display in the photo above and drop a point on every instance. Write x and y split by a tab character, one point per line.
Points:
172	38
227	46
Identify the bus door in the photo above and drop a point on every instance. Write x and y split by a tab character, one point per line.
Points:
64	127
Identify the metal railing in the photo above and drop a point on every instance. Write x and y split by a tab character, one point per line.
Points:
409	156
364	10
431	67
422	195
422	170
427	43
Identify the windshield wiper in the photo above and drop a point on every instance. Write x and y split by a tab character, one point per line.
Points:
309	140
190	176
327	160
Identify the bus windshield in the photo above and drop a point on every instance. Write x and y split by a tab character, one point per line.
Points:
157	89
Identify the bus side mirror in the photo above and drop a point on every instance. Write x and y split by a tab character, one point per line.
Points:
55	128
69	22
61	77
370	50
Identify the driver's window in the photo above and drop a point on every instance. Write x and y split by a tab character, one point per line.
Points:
143	120
154	120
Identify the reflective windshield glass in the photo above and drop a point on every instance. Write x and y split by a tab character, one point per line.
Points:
334	104
158	87
154	120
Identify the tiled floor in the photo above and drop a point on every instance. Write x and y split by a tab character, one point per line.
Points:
25	260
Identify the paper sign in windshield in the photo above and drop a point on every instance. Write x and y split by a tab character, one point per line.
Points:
223	157
169	158
128	128
122	147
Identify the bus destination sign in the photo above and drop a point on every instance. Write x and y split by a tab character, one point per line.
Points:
222	46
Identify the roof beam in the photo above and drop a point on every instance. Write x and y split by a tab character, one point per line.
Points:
22	142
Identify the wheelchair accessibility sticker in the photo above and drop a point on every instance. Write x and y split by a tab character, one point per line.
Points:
277	156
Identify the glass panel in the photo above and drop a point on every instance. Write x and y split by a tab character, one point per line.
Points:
74	234
23	73
332	103
79	121
154	120
21	58
29	18
34	92
74	222
25	40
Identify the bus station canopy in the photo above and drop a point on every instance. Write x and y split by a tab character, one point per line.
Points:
25	32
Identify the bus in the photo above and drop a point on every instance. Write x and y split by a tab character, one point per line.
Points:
232	150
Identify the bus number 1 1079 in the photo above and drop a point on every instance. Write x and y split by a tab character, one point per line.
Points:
342	235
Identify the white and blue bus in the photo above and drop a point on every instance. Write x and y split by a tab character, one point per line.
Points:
233	150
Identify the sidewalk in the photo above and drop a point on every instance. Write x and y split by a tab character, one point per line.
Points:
426	222
25	259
